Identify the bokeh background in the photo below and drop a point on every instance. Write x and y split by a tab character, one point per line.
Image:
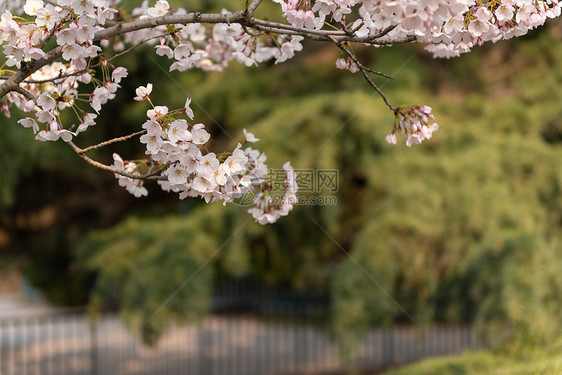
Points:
466	228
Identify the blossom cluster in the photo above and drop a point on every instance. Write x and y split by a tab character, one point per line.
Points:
174	145
270	205
449	27
177	148
413	123
74	23
53	96
54	87
347	64
211	48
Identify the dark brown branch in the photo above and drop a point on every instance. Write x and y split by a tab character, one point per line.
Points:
327	35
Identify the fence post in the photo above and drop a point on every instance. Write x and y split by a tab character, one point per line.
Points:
93	347
204	343
388	346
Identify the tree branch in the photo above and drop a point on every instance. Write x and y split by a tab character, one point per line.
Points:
108	168
252	8
62	76
365	72
106	143
242	17
134	46
24	92
159	170
171	19
28	69
326	35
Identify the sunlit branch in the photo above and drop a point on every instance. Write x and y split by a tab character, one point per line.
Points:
108	168
106	143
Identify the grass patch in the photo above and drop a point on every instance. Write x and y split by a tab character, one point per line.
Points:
541	361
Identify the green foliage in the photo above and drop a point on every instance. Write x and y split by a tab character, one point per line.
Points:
467	229
417	223
516	284
21	156
156	270
543	362
12	159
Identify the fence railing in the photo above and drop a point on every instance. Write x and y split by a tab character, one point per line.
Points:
224	344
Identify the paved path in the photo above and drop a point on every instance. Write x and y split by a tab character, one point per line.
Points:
11	305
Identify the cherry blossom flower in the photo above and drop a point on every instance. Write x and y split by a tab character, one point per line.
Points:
118	74
143	92
32	6
160	9
188	110
250	137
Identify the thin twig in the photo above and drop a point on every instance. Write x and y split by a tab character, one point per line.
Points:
352	31
108	168
133	47
365	72
377	89
161	169
106	143
62	76
384	32
358	63
251	33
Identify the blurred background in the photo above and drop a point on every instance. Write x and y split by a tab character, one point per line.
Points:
462	233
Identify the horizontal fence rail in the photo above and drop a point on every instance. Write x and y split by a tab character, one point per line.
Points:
224	344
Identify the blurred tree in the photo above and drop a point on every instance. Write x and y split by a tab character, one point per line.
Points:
458	230
492	178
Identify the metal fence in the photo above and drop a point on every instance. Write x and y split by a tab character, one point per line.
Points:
224	344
